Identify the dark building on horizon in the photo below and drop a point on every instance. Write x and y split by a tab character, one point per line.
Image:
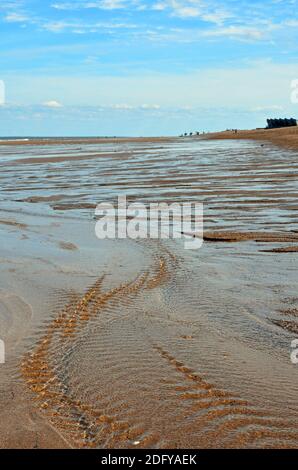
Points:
279	123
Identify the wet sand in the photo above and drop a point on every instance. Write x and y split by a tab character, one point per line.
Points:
81	141
286	138
122	343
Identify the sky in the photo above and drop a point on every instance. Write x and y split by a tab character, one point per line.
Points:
145	67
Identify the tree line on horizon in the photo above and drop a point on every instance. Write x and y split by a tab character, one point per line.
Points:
278	123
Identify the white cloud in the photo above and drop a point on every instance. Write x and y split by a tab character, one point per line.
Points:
10	4
253	86
150	106
52	104
208	12
185	8
15	18
262	31
179	8
101	5
109	4
267	108
78	27
231	22
123	106
237	32
218	16
160	6
64	6
291	23
187	12
56	27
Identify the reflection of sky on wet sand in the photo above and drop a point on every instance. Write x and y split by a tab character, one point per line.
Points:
223	298
242	184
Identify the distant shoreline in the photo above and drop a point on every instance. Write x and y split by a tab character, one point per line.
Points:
79	140
286	137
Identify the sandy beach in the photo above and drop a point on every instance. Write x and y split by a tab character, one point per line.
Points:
285	138
143	344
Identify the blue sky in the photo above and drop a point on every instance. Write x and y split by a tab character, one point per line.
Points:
140	67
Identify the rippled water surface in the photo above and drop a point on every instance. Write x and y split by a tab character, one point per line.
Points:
123	343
